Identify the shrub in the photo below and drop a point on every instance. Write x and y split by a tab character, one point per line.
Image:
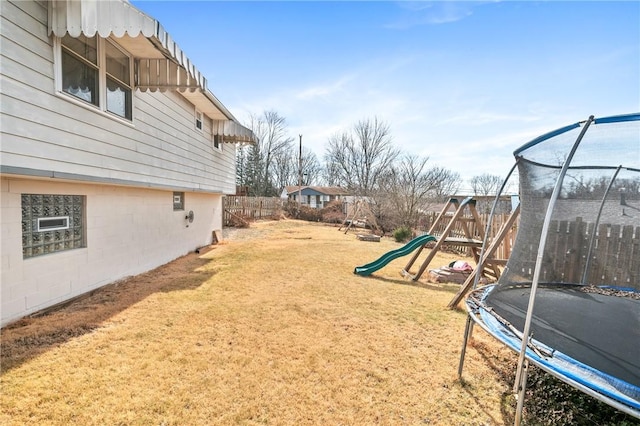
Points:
332	213
290	208
309	214
402	233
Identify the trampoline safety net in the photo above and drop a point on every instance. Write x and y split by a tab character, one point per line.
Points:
579	239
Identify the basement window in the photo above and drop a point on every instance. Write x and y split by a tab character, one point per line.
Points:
178	201
52	223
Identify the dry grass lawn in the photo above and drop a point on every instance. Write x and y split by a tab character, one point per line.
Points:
269	327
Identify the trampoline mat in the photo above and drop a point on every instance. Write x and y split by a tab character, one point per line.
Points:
601	331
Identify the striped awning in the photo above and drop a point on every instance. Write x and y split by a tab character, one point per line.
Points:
160	64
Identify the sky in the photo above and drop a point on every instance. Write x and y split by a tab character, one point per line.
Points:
462	83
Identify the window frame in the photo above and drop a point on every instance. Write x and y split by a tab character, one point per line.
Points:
40	227
178	206
217	141
103	76
198	120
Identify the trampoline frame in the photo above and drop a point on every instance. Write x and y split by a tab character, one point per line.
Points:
478	312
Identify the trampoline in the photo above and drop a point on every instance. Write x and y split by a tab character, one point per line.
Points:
568	300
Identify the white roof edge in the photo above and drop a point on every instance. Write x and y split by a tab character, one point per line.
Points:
76	17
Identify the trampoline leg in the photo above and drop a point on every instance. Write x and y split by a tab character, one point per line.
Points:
522	387
468	329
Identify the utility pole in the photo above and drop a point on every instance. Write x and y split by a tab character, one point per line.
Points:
300	178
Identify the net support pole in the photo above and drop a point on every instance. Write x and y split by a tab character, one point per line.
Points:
521	393
521	372
469	327
587	265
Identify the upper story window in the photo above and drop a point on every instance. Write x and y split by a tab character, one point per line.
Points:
80	74
98	72
198	120
118	77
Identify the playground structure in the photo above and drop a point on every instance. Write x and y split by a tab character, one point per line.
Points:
361	214
486	257
568	300
384	260
453	229
447	237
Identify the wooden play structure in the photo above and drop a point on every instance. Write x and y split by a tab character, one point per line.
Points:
454	229
361	213
487	258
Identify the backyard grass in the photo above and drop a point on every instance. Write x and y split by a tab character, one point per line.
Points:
269	327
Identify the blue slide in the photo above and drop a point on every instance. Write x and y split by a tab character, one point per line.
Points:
369	268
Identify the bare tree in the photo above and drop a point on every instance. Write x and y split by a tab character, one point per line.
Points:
486	184
448	182
271	130
359	158
311	168
285	168
286	165
337	161
330	175
408	188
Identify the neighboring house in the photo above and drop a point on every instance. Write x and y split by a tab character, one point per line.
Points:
316	197
114	155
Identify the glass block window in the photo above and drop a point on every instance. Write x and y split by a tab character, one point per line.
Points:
178	201
52	223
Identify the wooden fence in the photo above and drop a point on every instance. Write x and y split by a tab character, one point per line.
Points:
614	260
250	208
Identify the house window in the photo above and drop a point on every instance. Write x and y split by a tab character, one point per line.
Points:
198	120
178	201
217	141
80	72
118	81
98	72
52	223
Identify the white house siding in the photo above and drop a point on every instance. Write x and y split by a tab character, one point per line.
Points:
44	131
127	171
128	231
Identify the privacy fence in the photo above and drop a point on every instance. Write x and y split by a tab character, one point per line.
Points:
610	257
250	208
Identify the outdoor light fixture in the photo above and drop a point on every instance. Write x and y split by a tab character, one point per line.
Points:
189	217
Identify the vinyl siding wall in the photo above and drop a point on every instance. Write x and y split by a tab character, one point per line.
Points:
126	171
46	132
